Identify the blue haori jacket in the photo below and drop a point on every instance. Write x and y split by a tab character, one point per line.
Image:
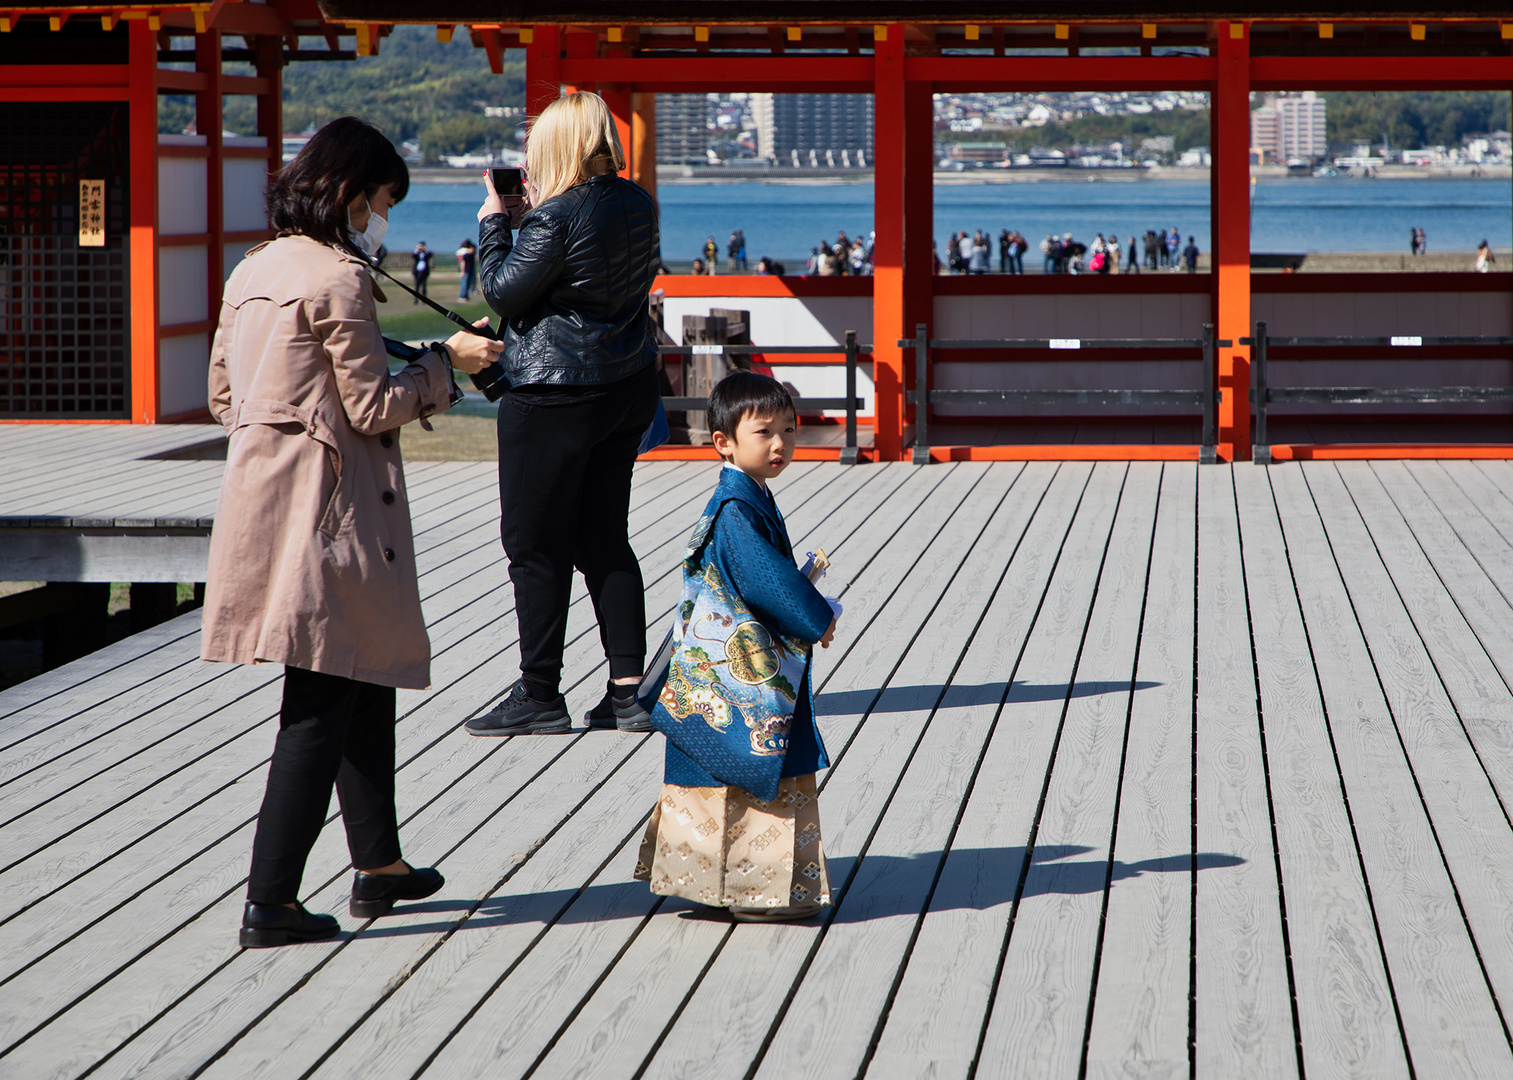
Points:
757	620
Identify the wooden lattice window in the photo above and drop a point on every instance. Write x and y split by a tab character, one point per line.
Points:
64	309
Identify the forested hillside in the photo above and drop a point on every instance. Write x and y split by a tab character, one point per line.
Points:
1412	120
415	88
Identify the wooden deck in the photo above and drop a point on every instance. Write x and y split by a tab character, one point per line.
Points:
1139	771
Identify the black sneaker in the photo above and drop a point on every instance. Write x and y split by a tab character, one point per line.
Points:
520	714
625	715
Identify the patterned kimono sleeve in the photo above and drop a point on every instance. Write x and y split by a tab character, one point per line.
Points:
769	584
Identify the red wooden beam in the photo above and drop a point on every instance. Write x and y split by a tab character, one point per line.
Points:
190	82
1381	73
735	285
493	48
63	93
243	84
42	76
965	74
1068	452
848	74
1387	451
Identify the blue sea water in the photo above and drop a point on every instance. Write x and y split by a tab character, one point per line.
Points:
785	220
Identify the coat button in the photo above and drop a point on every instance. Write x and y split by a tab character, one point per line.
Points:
386	441
389	554
388	498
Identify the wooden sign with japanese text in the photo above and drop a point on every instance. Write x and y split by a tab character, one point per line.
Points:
91	213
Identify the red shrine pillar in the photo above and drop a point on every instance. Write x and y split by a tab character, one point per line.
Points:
919	217
1230	180
543	66
642	147
142	142
889	309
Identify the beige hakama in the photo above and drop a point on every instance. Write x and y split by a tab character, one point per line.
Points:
723	847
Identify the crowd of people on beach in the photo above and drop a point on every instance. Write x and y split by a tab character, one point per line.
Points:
841	257
972	253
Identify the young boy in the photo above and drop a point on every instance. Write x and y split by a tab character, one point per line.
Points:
737	825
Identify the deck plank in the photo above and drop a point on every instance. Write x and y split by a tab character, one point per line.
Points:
1346	1016
1243	1015
1487	714
1445	661
1140	1009
1444	1007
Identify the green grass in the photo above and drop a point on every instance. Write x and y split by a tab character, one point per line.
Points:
401	318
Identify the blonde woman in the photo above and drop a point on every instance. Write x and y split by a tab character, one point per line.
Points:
568	269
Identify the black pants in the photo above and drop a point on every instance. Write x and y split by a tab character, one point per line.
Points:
565	464
331	730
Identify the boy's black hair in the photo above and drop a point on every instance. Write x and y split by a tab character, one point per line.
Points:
346	158
742	393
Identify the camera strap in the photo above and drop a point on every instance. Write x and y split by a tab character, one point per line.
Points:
481	331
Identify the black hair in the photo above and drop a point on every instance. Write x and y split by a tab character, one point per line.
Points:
743	393
347	157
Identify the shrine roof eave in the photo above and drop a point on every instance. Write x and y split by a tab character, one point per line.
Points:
862	12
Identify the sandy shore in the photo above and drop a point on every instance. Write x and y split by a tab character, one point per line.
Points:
1391	262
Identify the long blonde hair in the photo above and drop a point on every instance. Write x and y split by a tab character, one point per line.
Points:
573	139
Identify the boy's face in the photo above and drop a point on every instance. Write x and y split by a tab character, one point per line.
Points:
762	445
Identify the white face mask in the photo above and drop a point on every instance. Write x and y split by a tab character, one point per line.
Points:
372	238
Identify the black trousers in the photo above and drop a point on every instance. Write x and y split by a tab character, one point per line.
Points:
565	463
331	731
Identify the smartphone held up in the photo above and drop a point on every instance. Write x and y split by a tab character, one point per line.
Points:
508	183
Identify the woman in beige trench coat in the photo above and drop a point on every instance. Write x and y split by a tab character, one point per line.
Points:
312	560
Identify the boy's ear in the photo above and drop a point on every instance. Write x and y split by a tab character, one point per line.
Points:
723	444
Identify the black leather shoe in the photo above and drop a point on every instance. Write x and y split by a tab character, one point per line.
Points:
267	925
374	894
627	715
520	714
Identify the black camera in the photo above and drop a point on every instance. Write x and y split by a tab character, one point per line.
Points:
492	382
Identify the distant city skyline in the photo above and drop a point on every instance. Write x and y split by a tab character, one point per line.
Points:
983	130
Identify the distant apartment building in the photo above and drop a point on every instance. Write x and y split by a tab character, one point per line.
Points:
814	129
685	125
1289	127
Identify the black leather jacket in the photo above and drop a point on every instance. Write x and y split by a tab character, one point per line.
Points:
572	287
